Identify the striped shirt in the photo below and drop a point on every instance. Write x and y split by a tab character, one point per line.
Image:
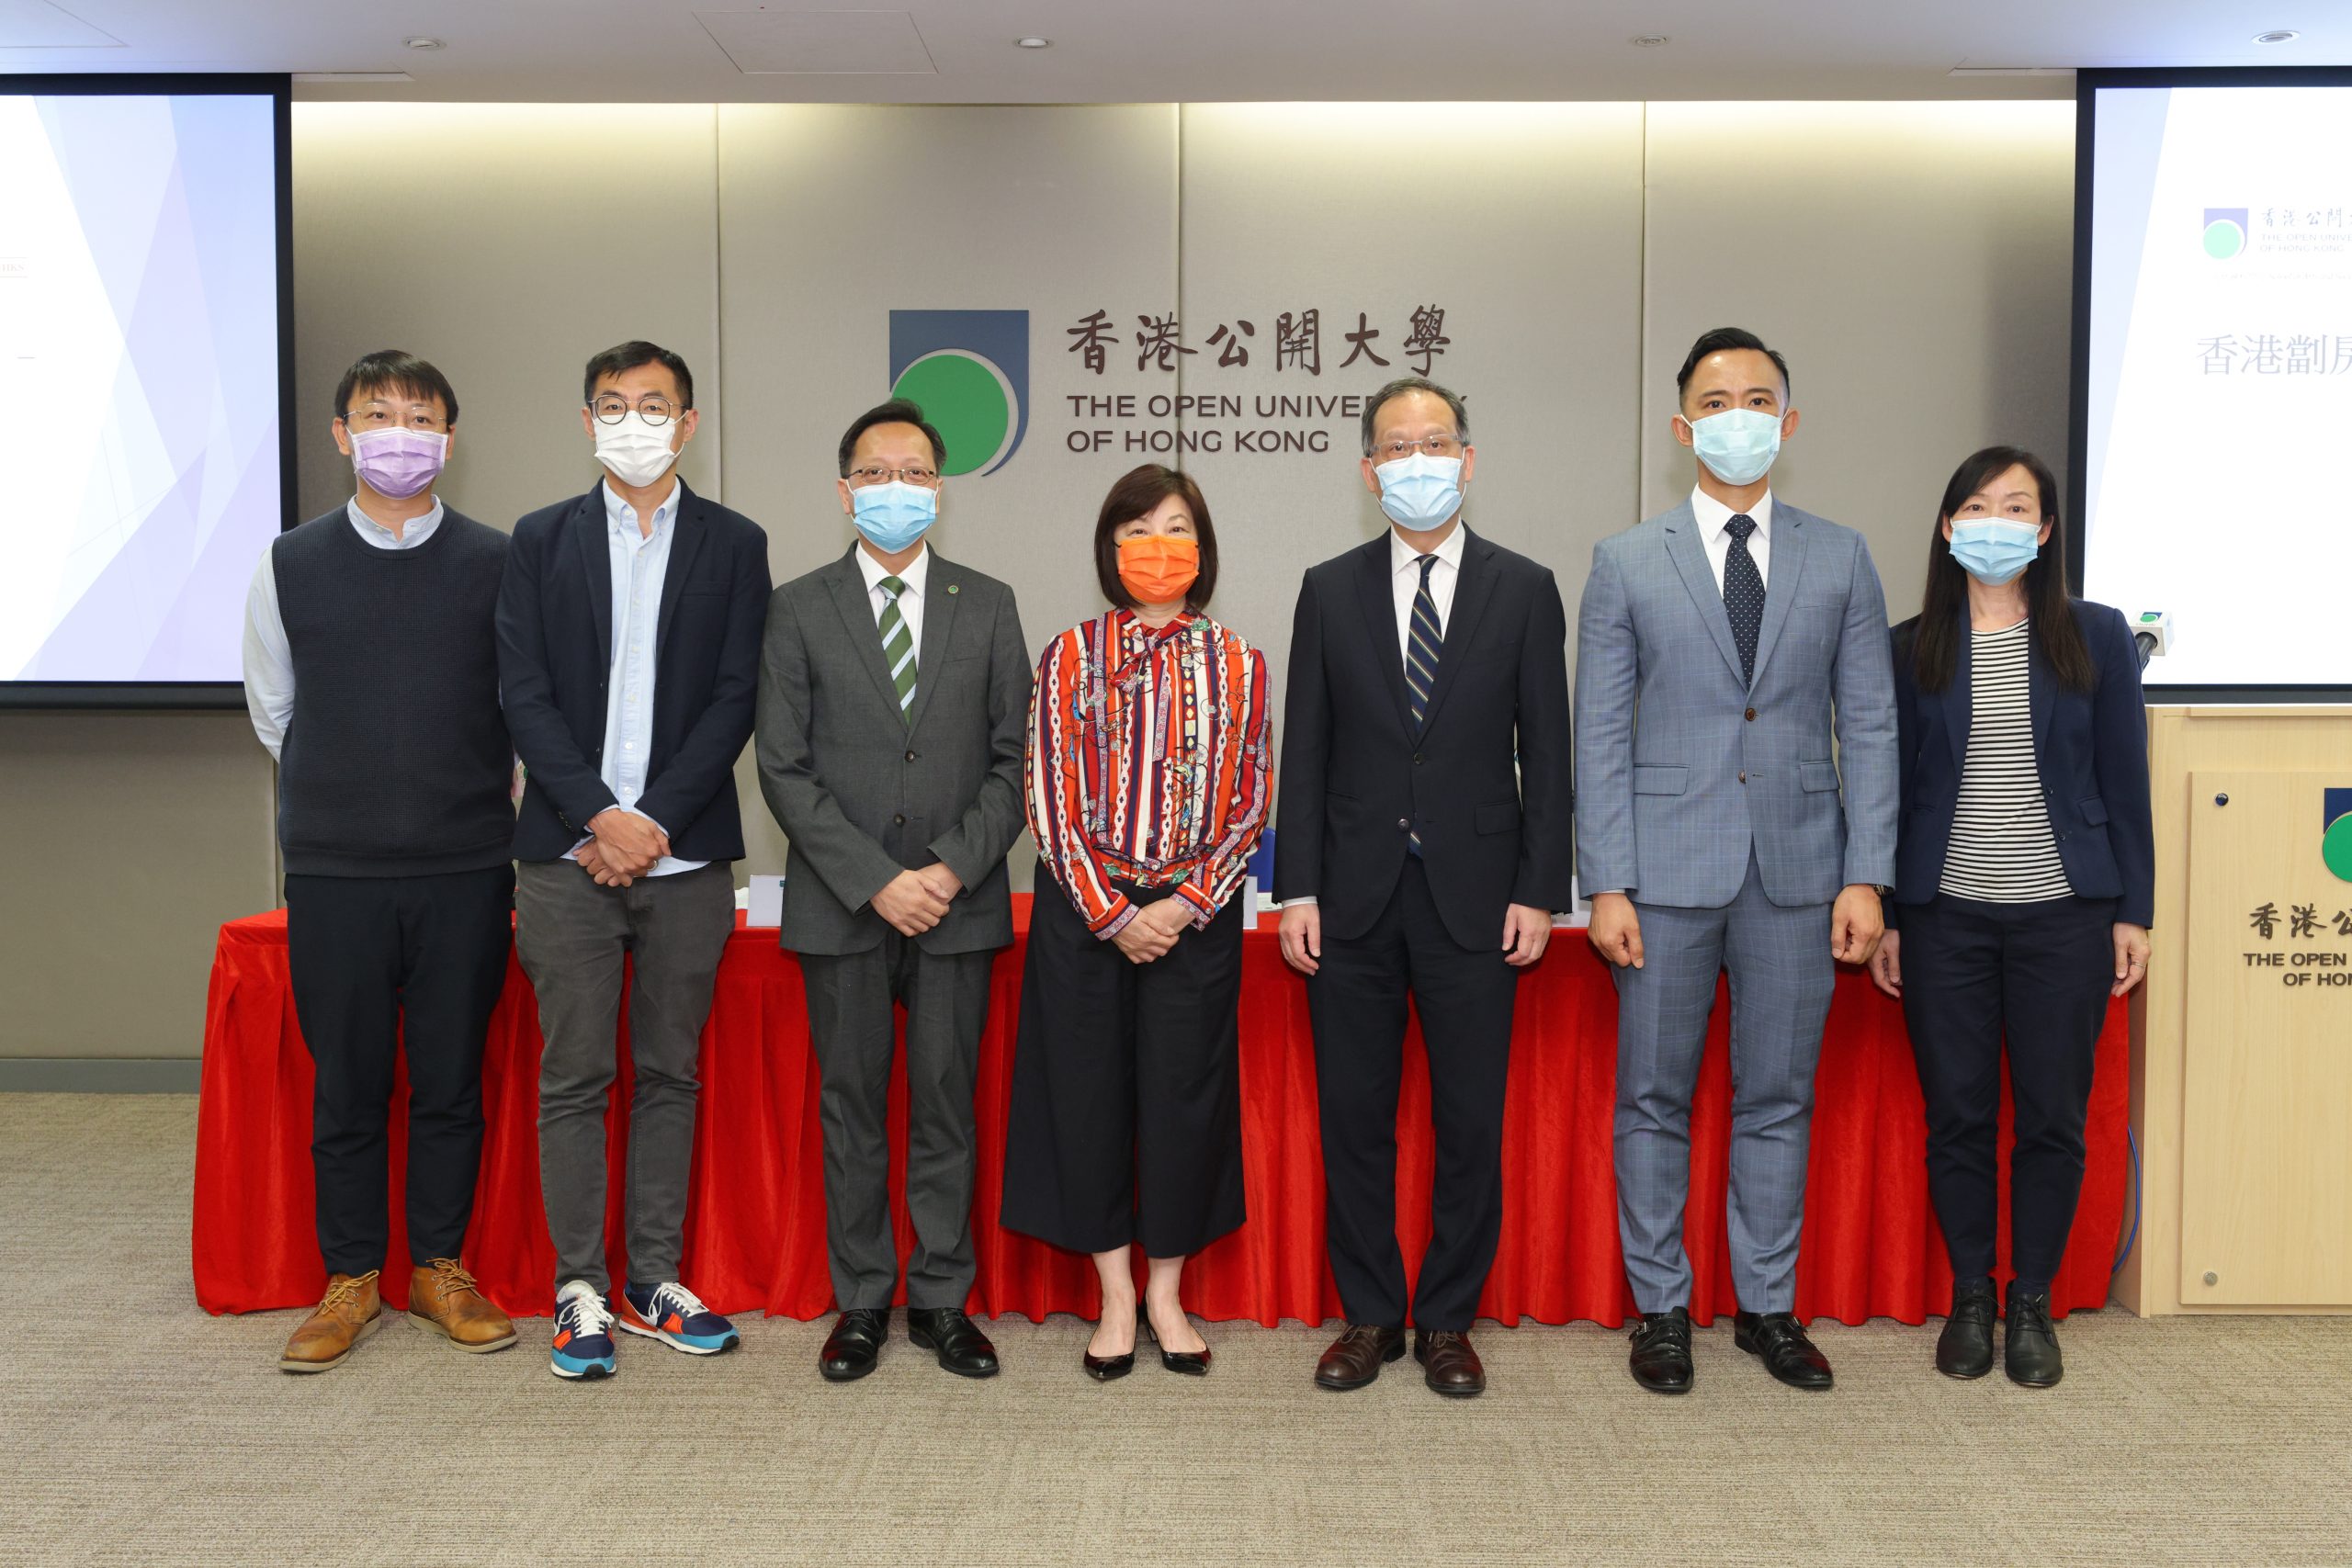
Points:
1149	761
2001	850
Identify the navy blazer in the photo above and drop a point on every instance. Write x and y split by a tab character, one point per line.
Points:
555	638
2090	748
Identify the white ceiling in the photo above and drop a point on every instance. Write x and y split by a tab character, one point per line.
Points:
1163	50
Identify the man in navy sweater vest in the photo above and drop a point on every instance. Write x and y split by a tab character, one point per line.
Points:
628	652
371	673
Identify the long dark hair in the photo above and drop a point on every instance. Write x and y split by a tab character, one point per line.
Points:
1943	610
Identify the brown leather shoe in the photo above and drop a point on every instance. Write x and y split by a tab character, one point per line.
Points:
1356	1356
348	1313
1449	1366
444	1298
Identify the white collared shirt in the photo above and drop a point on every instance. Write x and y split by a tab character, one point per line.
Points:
1713	515
268	659
640	563
1405	581
916	575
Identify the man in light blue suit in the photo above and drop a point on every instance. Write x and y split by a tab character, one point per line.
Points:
1719	648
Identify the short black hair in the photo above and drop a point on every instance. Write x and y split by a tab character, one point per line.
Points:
898	410
625	356
1404	384
1721	340
1138	494
394	370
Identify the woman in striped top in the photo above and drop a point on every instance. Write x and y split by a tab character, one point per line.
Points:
2024	884
1149	775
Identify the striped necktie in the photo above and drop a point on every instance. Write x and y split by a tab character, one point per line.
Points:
1422	641
898	647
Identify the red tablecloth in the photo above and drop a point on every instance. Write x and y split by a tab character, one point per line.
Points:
755	1227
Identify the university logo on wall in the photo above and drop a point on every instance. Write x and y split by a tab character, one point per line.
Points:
2335	831
2226	230
969	369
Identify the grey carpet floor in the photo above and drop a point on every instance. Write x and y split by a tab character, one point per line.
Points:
133	1428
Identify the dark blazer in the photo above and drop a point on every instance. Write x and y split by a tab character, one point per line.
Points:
2091	748
555	636
865	794
1488	783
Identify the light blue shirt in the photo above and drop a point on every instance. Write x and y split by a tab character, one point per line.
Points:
640	563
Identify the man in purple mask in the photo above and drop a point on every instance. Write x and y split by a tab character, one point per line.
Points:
371	673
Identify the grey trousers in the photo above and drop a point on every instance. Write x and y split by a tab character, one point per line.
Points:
853	1026
572	937
1781	975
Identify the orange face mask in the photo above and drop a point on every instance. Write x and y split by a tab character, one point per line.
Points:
1158	569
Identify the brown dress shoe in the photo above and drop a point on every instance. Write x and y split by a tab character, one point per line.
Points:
1356	1356
444	1298
1448	1364
348	1314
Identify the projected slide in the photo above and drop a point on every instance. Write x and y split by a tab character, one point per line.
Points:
2218	459
139	389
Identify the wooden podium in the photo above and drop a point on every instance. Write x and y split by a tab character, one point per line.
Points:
2242	1069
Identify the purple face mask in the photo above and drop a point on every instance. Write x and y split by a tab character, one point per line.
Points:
398	463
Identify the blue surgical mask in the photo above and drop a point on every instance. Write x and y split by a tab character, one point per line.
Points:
1421	492
894	516
1993	550
1737	445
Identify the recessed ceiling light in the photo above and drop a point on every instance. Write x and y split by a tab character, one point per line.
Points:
1652	41
421	42
1033	43
2282	35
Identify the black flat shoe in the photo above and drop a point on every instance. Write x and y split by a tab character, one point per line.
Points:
852	1348
1660	1359
957	1341
2029	1343
1964	1349
1778	1340
1192	1363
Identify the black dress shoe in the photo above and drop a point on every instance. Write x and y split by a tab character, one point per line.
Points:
1192	1363
961	1347
854	1343
2029	1344
1965	1348
1778	1340
1356	1357
1103	1369
1448	1363
1661	1355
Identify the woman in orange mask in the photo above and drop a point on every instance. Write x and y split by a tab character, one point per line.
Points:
1150	769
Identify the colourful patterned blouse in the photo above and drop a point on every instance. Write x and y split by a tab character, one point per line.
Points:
1151	762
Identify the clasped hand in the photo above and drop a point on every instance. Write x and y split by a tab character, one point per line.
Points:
624	846
915	901
1152	934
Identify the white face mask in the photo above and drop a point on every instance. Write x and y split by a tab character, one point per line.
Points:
636	452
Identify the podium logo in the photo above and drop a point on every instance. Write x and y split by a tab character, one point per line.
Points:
2224	232
2336	842
969	369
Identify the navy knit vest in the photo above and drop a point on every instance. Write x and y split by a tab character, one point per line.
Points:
396	761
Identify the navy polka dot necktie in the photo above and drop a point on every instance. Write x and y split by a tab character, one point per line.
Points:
1743	594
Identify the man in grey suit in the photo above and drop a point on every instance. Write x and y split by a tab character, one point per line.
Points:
894	705
1718	648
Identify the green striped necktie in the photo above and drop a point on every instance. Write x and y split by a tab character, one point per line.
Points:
898	647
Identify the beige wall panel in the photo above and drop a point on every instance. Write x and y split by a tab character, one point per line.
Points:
505	243
1522	221
152	830
1913	261
835	216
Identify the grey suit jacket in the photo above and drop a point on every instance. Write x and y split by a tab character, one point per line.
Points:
864	794
1680	770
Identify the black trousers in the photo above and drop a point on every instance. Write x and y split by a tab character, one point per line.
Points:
1125	1075
1356	999
1976	976
380	964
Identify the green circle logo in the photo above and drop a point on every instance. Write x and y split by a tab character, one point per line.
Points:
967	400
2336	849
2224	238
